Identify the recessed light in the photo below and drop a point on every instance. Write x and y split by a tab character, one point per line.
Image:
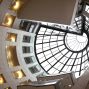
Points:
8	20
16	5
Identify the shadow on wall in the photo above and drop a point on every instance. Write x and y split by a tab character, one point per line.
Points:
82	81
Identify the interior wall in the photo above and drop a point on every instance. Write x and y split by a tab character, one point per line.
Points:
82	81
9	65
4	8
57	11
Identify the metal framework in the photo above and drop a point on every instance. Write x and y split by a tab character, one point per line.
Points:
59	51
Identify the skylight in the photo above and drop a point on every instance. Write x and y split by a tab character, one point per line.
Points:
63	52
87	8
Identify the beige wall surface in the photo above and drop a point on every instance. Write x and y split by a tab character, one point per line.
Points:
56	11
82	81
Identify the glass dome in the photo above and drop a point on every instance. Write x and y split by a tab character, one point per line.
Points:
62	52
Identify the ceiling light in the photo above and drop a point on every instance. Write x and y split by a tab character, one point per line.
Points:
8	88
2	80
8	20
16	5
11	37
18	74
1	1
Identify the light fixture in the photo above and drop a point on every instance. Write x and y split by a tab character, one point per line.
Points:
18	74
8	88
11	37
12	58
8	20
1	1
16	5
2	80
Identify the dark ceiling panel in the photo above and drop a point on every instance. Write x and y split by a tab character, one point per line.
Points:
56	11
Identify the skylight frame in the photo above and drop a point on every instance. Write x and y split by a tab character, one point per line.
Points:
46	38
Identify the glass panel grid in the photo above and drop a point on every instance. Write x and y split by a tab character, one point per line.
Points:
62	52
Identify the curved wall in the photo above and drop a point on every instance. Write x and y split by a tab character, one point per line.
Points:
28	70
17	60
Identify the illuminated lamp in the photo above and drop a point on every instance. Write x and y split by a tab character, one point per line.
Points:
2	80
1	1
11	37
8	88
8	20
16	5
18	74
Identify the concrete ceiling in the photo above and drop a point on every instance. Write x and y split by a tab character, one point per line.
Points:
56	11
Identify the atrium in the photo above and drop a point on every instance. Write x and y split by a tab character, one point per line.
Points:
40	38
